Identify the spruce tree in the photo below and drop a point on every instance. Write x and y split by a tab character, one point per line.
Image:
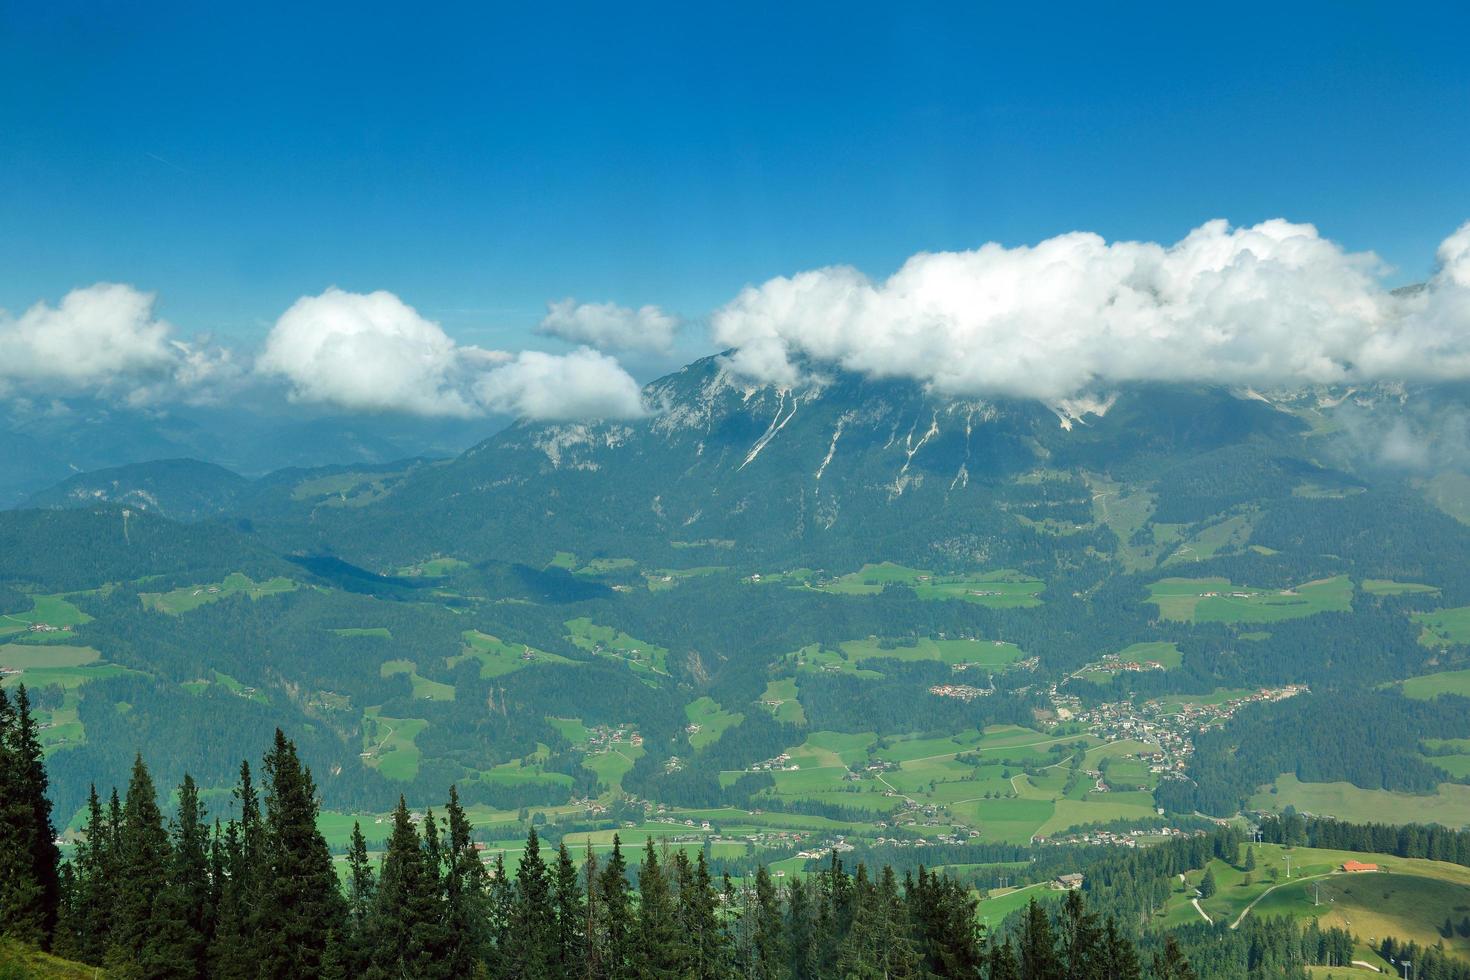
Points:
464	894
1037	946
406	917
1170	964
1207	884
300	899
87	918
616	954
533	918
657	951
570	916
142	937
30	884
189	911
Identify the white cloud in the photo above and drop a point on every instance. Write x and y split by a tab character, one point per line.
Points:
1272	304
582	384
373	352
608	326
106	338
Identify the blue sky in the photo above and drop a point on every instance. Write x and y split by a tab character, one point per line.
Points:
480	161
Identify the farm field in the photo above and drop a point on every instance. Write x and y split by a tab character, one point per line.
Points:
1383	586
1428	686
780	698
190	597
433	568
422	687
498	658
388	744
606	641
611	765
1217	600
1449	806
1444	627
46	610
1004	589
711	719
1231	533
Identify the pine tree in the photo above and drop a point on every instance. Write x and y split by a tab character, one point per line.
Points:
141	937
570	917
532	918
1250	859
30	883
1170	964
300	899
1002	963
232	953
1120	958
361	886
500	904
1038	946
406	918
616	952
657	947
465	897
87	920
1081	940
188	909
1207	884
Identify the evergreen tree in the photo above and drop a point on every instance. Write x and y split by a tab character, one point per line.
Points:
1207	885
361	885
569	952
1120	957
30	884
1170	964
300	899
1002	964
616	938
1081	936
189	910
657	947
242	849
465	900
407	914
500	904
532	919
143	935
87	920
1250	859
1037	946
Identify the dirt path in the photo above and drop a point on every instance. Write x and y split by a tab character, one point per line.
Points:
1247	910
1202	913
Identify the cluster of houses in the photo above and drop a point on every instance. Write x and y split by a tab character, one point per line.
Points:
1116	838
962	691
603	739
781	763
1170	727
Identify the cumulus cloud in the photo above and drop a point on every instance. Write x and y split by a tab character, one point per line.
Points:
106	338
373	352
608	326
1271	304
582	384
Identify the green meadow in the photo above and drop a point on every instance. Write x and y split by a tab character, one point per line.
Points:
498	657
190	597
1003	589
1217	600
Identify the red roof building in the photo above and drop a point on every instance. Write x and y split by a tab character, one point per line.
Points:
1358	866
